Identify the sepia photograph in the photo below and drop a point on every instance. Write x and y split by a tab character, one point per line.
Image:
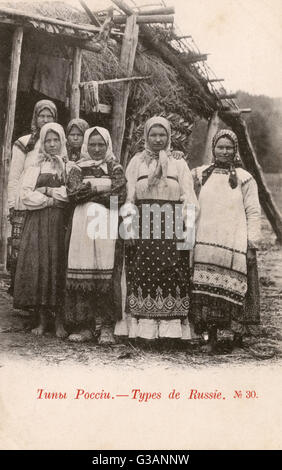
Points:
141	225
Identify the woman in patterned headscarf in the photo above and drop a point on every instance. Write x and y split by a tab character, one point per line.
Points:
40	273
96	185
227	235
159	191
24	154
75	133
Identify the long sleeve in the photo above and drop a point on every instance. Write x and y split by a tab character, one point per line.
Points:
31	198
118	188
253	211
187	192
16	170
60	194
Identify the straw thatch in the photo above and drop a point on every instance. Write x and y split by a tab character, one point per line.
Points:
163	93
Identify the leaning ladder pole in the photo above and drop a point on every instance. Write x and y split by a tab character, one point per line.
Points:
8	135
251	163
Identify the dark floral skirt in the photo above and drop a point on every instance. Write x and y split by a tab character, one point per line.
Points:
40	273
157	272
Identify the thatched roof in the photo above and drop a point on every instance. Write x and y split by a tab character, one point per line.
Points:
165	92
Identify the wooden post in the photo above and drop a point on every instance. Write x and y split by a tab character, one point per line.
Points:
127	58
7	141
75	91
212	130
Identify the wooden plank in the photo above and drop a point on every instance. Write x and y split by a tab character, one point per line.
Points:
120	100
75	91
8	135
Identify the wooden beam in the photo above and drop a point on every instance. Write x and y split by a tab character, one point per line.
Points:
149	19
11	12
8	135
236	112
75	91
157	11
193	58
212	80
73	39
92	16
118	80
227	96
252	165
123	7
120	100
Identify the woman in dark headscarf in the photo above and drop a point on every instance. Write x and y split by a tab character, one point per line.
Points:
226	241
24	154
157	271
75	133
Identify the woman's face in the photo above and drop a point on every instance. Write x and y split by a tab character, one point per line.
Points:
44	117
157	138
52	143
75	137
97	147
224	150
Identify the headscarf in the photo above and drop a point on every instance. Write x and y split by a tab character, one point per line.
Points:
159	160
234	162
57	161
82	125
35	131
104	133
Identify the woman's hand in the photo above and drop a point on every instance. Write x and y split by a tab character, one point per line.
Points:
42	189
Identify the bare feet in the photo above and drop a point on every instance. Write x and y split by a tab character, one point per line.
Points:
61	332
106	337
81	337
39	331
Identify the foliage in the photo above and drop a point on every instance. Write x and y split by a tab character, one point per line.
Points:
264	124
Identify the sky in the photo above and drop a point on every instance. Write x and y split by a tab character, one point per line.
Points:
243	38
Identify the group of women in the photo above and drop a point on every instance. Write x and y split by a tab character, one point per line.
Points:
131	275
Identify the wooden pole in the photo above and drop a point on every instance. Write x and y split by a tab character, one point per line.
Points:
252	165
120	100
11	12
213	127
91	15
75	91
8	135
146	19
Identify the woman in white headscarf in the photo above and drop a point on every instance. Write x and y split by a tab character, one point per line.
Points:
159	190
96	185
24	154
40	272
